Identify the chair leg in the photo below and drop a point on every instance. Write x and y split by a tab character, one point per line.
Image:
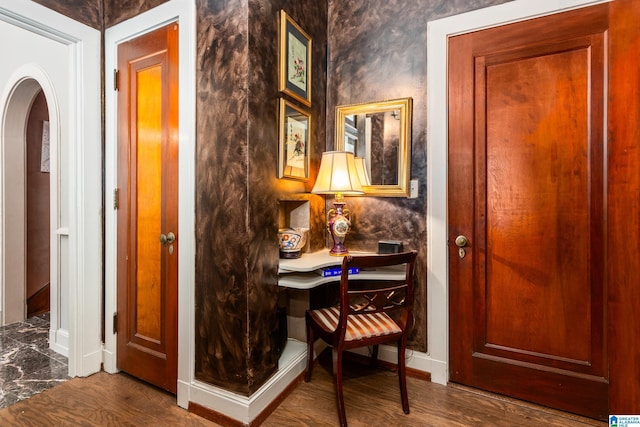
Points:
374	356
337	376
310	342
402	374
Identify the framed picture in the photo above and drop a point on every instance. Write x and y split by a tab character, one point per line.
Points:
45	154
295	127
295	60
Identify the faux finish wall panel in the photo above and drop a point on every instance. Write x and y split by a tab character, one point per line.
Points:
377	51
222	235
237	186
265	190
116	11
89	12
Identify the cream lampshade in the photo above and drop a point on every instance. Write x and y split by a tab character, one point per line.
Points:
363	175
338	176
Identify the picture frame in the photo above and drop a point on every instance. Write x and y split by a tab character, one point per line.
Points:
45	151
294	60
294	142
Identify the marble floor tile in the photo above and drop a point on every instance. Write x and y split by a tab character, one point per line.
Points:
27	365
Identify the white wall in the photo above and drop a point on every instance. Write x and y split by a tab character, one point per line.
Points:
63	57
29	58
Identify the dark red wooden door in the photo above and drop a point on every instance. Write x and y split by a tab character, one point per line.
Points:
623	215
527	188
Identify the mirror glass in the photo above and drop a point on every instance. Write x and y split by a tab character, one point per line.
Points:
380	134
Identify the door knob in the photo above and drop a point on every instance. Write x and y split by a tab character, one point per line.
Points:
461	241
167	239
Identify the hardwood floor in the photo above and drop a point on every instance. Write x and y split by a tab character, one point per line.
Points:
372	398
100	400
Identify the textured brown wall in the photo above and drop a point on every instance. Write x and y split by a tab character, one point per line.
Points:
264	189
237	189
116	11
377	51
89	12
221	335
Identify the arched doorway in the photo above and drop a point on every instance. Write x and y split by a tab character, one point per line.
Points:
25	194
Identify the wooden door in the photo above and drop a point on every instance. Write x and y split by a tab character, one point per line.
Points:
148	207
623	216
526	187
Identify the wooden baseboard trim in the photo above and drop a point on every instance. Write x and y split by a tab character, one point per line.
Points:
277	401
214	416
39	302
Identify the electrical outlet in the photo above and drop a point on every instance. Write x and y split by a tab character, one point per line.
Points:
413	189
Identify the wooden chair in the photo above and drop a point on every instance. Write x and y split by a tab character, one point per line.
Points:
369	314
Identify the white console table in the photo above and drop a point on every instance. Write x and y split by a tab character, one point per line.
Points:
299	276
300	273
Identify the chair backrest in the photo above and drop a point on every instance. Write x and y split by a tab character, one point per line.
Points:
384	295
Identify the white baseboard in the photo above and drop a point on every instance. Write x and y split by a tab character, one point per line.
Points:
292	363
109	361
89	364
242	408
184	394
59	341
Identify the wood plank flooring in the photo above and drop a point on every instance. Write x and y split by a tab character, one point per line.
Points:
100	400
372	398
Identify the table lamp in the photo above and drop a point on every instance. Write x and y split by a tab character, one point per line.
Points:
338	176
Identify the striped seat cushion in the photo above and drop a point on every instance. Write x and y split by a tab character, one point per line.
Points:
358	326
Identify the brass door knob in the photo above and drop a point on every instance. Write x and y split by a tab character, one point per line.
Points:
167	239
461	241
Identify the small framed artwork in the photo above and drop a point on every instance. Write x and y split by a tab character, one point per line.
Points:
295	60
45	154
295	127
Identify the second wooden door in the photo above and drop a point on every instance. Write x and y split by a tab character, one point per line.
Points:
527	210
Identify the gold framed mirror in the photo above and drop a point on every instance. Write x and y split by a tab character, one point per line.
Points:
379	133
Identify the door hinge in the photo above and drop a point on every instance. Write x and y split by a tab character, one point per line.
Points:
116	198
116	75
115	323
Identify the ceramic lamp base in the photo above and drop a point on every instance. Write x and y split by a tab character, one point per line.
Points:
338	225
338	250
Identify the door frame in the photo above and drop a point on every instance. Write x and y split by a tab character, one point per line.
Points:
75	108
183	12
438	32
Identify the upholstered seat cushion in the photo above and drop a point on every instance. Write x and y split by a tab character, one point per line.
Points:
358	326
